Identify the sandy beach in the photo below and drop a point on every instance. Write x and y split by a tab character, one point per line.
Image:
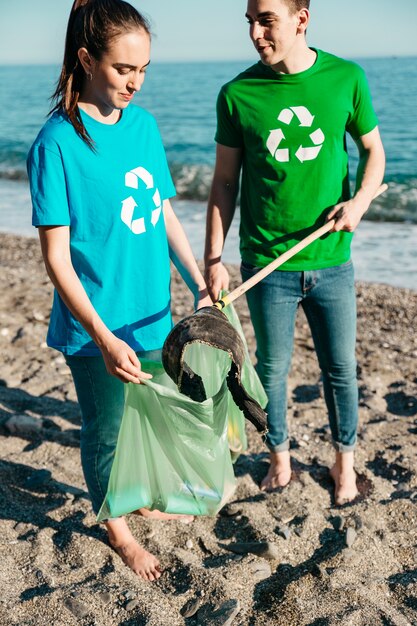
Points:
354	565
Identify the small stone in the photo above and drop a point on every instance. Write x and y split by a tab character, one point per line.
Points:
104	597
39	317
191	607
230	510
38	478
339	523
129	594
189	544
351	535
260	570
302	443
265	549
4	332
132	604
23	425
284	531
225	614
77	608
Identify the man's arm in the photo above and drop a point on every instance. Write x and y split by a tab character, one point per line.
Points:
368	178
221	208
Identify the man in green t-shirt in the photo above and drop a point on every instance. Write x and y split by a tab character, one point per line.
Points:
282	124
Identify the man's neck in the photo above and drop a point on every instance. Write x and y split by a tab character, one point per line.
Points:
299	60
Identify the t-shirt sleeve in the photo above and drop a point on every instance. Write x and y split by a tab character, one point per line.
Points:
165	183
47	187
228	132
363	118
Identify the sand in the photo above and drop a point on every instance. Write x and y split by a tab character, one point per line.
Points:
354	565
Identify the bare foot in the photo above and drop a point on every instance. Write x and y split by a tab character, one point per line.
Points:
279	472
344	477
143	563
155	514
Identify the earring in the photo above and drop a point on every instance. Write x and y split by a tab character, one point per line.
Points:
89	76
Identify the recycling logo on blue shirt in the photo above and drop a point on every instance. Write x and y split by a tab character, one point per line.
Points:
140	178
278	139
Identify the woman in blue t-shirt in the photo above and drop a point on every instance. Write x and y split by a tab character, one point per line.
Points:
100	189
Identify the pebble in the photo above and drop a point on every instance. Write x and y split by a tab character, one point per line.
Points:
4	332
265	549
132	604
129	594
284	531
191	607
104	597
351	535
189	544
225	614
261	570
339	523
77	608
230	510
38	478
23	425
39	317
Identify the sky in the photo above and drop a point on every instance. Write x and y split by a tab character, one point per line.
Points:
194	30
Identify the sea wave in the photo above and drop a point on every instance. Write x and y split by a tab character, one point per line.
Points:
192	182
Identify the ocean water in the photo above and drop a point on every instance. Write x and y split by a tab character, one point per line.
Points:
182	97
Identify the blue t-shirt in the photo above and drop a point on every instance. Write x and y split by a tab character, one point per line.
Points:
111	199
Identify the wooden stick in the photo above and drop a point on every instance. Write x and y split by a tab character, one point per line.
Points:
244	287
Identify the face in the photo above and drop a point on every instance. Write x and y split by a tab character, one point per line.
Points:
274	30
119	74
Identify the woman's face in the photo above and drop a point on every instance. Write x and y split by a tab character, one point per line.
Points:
113	80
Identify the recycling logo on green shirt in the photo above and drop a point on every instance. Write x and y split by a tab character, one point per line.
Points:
277	139
132	178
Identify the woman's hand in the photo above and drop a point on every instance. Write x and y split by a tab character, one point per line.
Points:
202	298
121	361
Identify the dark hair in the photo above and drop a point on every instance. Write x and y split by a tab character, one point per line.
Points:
297	5
92	24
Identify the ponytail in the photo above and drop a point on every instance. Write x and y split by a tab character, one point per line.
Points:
92	24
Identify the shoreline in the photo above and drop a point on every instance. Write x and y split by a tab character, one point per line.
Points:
57	568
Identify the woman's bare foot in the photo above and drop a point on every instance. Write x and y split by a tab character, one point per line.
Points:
160	515
279	472
143	563
344	477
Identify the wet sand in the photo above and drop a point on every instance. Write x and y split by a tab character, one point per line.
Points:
56	567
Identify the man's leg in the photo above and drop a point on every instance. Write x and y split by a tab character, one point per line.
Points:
273	308
330	307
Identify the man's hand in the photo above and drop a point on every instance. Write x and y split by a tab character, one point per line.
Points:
347	214
121	361
217	279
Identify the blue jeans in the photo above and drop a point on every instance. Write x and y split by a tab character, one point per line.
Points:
101	398
329	302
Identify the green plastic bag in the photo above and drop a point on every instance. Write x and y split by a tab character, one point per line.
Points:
173	453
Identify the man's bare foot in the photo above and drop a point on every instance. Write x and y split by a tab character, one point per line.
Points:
344	477
279	472
143	563
160	515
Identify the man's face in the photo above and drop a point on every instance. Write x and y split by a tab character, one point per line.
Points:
273	29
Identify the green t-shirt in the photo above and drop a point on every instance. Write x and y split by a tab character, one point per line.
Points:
292	129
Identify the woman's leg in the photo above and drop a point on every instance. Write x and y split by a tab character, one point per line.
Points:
101	400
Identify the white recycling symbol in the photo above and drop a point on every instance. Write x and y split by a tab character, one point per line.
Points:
277	135
138	226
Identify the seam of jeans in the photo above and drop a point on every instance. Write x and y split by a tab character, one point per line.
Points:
93	391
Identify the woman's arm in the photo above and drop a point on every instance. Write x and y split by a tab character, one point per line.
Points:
120	359
183	258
